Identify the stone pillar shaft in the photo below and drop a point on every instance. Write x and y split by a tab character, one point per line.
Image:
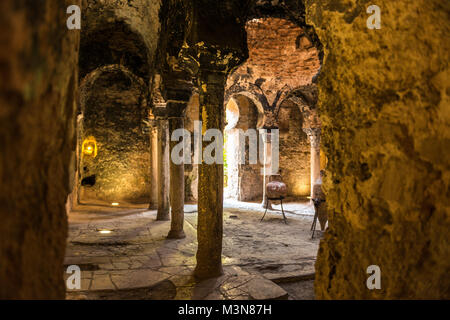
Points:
153	167
314	137
267	157
163	170
210	179
176	187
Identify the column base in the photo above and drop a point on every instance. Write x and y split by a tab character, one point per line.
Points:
163	217
176	234
208	272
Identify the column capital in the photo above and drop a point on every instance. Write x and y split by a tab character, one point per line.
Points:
152	123
170	95
314	136
170	109
160	113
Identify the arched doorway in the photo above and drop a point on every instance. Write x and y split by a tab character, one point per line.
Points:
243	180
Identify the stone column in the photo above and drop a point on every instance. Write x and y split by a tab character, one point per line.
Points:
314	137
176	186
267	155
210	179
153	166
163	170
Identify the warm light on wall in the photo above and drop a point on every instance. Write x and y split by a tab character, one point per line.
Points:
115	204
89	147
301	187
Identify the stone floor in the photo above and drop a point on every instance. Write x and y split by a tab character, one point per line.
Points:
136	261
299	290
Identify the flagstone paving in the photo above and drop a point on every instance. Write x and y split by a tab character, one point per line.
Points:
136	261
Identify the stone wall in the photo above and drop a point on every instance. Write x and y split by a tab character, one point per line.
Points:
281	57
295	151
384	106
39	78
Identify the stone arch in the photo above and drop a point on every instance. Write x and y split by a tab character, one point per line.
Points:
113	103
305	97
93	76
114	43
250	109
232	114
249	90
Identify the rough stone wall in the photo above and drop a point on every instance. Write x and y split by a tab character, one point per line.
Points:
280	57
384	106
39	77
295	151
114	108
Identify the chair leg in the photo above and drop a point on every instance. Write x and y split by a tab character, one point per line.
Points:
267	205
282	210
313	226
315	217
